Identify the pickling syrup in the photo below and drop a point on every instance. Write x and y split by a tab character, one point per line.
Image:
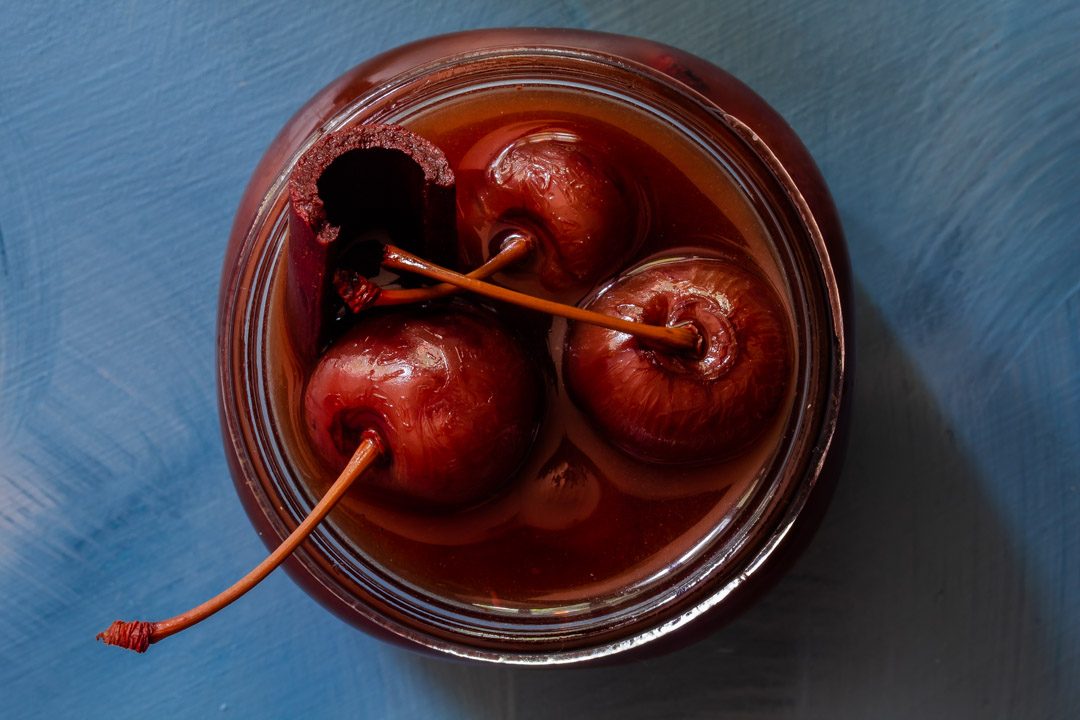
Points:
581	520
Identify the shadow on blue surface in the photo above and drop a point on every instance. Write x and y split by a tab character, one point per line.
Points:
911	589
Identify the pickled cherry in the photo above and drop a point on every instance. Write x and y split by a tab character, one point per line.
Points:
670	407
451	393
558	182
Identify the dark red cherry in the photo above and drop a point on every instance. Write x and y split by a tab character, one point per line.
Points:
451	393
670	407
552	181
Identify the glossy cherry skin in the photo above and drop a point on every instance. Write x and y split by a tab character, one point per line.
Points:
663	406
553	181
452	395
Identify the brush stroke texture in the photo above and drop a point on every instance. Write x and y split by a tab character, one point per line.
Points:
944	582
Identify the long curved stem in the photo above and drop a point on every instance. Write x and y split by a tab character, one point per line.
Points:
678	337
515	247
138	635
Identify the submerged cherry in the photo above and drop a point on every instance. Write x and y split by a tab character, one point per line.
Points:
667	406
451	393
566	491
554	182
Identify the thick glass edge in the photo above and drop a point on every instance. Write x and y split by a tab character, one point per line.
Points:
348	115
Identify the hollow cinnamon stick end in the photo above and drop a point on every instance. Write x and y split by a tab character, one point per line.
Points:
347	191
134	635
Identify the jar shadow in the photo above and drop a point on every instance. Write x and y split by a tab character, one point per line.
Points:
910	590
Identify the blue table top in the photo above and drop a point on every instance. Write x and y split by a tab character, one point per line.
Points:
945	581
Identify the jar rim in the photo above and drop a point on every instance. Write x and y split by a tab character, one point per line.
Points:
242	388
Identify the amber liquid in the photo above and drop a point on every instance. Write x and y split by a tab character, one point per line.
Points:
581	520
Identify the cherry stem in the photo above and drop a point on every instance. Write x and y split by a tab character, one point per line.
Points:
678	337
138	635
514	247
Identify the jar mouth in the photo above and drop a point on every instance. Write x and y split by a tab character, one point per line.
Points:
726	555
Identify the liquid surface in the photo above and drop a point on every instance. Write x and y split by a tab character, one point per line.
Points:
581	520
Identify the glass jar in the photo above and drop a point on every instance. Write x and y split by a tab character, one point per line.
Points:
734	561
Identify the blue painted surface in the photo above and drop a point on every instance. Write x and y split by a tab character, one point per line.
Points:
945	582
